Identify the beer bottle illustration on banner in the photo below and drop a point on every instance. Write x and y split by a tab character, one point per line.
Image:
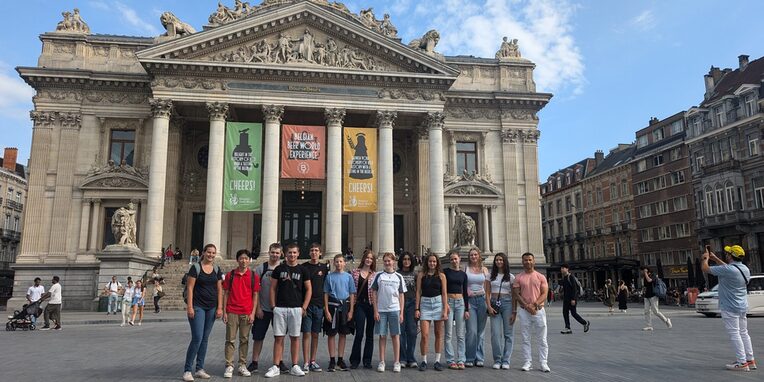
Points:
360	167
242	153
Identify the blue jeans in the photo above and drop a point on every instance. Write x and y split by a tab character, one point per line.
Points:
363	314
388	324
408	332
201	326
502	344
113	298
476	329
455	313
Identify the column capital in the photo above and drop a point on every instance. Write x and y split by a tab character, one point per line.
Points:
334	115
273	113
217	110
434	120
96	200
42	118
161	107
386	118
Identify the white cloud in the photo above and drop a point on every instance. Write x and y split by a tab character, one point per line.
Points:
644	21
132	18
15	94
99	5
543	28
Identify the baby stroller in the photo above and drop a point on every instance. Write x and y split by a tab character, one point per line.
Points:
22	319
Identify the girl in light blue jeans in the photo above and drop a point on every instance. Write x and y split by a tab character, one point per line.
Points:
477	284
500	310
456	287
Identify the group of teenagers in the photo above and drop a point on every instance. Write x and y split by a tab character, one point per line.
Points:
400	300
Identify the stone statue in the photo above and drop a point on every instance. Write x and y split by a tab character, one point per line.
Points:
464	229
123	225
175	27
73	23
384	26
508	49
427	43
387	28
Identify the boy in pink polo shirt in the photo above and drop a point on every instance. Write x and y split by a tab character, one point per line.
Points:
530	290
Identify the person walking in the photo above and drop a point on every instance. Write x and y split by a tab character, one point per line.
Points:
53	309
651	301
570	294
240	295
34	294
734	277
127	302
290	295
204	305
363	313
158	294
339	298
407	269
477	285
623	296
169	254
138	303
264	309
529	293
501	311
610	295
314	317
458	311
112	289
432	308
388	288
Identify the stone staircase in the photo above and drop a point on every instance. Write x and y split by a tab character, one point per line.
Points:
173	289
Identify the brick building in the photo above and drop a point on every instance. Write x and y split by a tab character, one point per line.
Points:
13	194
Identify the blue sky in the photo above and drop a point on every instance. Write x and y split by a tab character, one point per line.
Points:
611	65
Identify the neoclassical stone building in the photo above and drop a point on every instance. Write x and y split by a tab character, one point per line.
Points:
120	119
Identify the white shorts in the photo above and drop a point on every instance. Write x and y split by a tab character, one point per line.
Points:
287	321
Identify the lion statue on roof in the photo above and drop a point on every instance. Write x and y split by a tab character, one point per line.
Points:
175	27
427	43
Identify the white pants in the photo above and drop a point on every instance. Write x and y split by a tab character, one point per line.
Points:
528	323
737	328
651	307
125	311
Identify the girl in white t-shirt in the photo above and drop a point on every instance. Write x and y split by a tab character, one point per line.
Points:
127	301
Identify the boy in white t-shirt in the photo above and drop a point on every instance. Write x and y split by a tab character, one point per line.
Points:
387	294
53	309
34	293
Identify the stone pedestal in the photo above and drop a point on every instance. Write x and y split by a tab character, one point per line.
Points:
121	261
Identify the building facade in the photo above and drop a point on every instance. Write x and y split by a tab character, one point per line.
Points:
13	195
120	119
724	136
663	199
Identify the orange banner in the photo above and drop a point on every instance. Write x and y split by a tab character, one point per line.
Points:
359	170
302	152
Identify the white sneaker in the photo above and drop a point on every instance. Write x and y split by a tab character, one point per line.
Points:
201	374
243	371
381	367
228	373
273	371
122	324
296	371
545	368
306	368
647	329
505	366
497	366
397	367
526	366
188	377
668	323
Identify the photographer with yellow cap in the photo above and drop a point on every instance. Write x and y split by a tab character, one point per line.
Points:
733	301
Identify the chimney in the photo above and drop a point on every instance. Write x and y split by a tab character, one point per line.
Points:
599	156
743	61
654	120
9	159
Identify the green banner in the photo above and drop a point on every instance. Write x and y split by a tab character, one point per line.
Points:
243	166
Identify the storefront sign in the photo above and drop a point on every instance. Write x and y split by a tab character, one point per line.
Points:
242	179
359	170
302	152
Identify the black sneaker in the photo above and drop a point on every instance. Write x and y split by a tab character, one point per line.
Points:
252	367
353	366
422	366
367	366
586	326
566	331
437	366
342	366
283	367
331	366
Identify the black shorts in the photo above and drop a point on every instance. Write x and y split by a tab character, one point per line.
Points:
260	326
342	325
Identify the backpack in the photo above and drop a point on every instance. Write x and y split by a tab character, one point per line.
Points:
580	288
659	288
198	269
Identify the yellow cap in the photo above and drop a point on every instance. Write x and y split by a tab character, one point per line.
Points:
735	251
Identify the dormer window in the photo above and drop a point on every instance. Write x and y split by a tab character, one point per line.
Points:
750	105
657	135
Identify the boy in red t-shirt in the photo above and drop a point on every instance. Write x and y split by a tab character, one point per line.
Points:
240	296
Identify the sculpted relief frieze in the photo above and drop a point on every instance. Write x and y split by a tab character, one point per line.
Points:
188	83
302	46
92	96
411	94
490	113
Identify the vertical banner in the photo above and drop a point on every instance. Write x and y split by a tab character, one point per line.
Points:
359	170
302	152
243	169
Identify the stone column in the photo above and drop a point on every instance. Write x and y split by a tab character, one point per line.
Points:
270	209
334	118
385	181
160	109
94	225
423	191
449	222
485	237
84	226
213	210
437	229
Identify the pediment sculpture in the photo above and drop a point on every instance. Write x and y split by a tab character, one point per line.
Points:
123	225
302	46
470	184
72	23
175	27
123	168
508	49
112	175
